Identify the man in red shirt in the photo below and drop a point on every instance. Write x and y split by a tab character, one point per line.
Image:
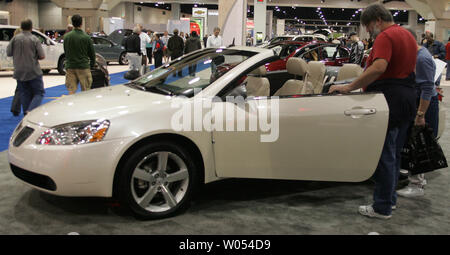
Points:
447	57
390	70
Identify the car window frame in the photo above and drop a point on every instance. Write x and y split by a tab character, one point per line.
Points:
2	34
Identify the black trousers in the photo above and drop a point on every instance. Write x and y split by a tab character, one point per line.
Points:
158	58
149	55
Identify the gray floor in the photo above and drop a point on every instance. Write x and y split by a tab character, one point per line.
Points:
234	206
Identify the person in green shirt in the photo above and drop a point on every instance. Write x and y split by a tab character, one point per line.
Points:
80	57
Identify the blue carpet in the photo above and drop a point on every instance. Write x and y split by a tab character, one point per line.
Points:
8	122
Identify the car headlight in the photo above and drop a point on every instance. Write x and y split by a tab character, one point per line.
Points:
75	133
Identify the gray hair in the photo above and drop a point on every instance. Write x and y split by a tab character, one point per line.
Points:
374	12
136	30
216	29
175	31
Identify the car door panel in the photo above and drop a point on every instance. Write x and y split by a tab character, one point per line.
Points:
317	141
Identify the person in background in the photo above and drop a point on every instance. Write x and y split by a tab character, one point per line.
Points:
390	70
69	28
158	46
447	57
26	51
132	46
427	112
436	49
192	44
176	47
357	49
215	41
16	106
88	31
149	47
183	36
80	57
205	40
144	40
165	40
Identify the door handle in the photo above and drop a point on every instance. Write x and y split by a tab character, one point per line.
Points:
358	112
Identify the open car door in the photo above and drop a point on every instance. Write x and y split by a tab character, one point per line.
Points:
317	137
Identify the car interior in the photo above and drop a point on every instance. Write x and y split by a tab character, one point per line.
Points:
299	79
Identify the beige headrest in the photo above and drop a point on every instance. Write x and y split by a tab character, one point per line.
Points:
260	71
258	87
297	66
349	71
316	68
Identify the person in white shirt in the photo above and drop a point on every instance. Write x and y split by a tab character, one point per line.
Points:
144	40
215	41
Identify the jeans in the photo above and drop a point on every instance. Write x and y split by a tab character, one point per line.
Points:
31	93
447	75
16	105
388	170
432	115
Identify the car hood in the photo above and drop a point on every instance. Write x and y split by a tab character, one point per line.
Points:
108	103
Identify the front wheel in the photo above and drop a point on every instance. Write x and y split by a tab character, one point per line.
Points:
61	67
158	180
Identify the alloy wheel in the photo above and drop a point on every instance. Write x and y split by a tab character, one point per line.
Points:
160	181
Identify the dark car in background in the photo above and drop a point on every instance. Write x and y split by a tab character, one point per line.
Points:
118	35
111	51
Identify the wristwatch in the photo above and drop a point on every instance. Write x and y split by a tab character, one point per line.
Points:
420	114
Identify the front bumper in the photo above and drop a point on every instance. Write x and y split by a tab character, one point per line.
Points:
74	170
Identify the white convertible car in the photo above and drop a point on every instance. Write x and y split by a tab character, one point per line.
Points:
54	52
126	142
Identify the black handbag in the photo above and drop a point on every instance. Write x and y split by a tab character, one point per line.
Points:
422	153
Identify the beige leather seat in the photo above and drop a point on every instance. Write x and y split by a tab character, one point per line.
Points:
349	71
295	66
257	85
316	76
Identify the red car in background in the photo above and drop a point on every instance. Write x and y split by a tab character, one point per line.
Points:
328	53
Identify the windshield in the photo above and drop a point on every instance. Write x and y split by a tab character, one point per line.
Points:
284	50
280	39
194	71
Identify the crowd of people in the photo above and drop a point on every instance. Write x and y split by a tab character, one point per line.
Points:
145	47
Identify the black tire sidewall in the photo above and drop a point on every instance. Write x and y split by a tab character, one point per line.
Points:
61	66
124	186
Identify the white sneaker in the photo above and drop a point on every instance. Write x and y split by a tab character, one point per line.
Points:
411	191
367	210
394	207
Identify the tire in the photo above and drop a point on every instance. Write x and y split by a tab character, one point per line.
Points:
61	68
123	58
46	71
152	194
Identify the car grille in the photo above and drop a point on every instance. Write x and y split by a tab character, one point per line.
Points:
35	179
22	136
